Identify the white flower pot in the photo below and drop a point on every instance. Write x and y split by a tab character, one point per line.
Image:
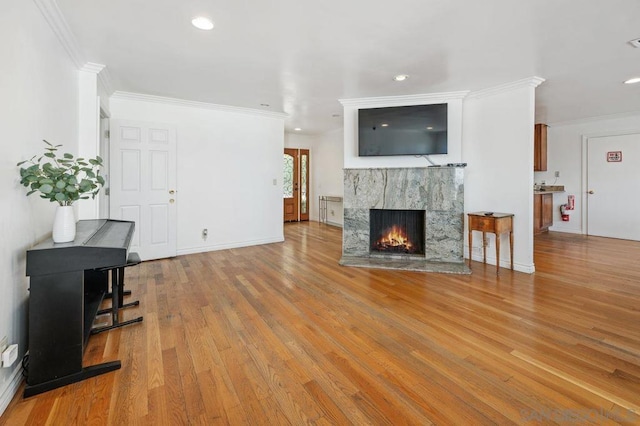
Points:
64	225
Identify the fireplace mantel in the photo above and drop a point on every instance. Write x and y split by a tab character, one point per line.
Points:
439	191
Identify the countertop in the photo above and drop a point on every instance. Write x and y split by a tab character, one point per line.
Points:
549	189
547	192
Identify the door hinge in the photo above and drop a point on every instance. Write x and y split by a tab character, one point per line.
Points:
106	191
107	134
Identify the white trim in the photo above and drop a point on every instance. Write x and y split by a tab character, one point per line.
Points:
404	100
11	389
128	96
525	82
595	118
92	67
104	79
59	26
491	260
583	190
237	244
567	230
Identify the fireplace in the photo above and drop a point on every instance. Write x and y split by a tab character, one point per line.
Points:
430	241
399	232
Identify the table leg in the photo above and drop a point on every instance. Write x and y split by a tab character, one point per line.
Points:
497	254
484	247
511	247
470	244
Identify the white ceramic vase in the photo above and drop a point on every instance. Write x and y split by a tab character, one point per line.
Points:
64	225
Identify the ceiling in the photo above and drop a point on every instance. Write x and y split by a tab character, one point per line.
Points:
300	57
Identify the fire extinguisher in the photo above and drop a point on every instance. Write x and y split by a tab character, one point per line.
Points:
565	209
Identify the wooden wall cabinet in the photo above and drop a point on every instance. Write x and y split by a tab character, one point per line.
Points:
540	148
542	212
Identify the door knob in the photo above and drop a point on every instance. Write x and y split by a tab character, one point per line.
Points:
591	192
172	201
172	191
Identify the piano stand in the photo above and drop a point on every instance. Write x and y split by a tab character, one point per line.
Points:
85	373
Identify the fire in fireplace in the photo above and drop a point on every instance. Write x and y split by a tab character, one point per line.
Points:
397	231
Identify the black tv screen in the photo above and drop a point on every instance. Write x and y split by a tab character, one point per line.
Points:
405	130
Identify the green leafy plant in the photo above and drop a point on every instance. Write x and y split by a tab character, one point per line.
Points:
61	179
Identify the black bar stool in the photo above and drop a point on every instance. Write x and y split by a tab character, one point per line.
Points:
117	295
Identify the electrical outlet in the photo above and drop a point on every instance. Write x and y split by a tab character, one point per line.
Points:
333	213
557	174
205	233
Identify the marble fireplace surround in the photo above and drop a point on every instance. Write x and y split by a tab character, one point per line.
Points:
439	191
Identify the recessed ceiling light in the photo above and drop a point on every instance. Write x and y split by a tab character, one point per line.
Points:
384	125
297	129
633	80
429	128
335	115
264	105
202	23
400	77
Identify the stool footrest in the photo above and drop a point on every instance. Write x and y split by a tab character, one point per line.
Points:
116	325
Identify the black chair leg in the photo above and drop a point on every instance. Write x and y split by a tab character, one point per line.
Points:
117	299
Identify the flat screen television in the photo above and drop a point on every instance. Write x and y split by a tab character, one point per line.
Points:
404	130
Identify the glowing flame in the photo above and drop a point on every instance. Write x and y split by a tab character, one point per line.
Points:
394	237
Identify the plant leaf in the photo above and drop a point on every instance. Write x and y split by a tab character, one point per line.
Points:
46	188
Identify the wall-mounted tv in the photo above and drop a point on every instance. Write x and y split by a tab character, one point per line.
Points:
404	130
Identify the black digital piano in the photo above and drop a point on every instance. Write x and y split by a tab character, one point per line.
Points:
67	284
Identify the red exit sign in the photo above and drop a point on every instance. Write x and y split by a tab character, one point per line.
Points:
614	156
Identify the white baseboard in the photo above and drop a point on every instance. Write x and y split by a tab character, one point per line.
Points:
491	260
339	225
7	394
566	230
235	244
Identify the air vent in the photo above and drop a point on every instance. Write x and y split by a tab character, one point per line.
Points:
635	43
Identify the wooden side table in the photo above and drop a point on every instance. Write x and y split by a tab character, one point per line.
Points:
497	223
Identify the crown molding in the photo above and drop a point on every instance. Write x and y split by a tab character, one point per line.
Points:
585	120
525	82
104	78
128	96
92	67
404	100
59	26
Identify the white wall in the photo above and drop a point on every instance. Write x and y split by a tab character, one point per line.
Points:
564	146
38	100
227	162
498	147
326	155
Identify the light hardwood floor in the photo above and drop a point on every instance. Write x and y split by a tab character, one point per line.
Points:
280	334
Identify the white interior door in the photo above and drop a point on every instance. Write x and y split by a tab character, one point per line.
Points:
613	187
143	183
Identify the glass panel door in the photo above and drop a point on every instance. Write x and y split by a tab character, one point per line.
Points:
304	184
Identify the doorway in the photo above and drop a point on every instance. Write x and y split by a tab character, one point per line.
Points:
143	185
295	187
613	174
